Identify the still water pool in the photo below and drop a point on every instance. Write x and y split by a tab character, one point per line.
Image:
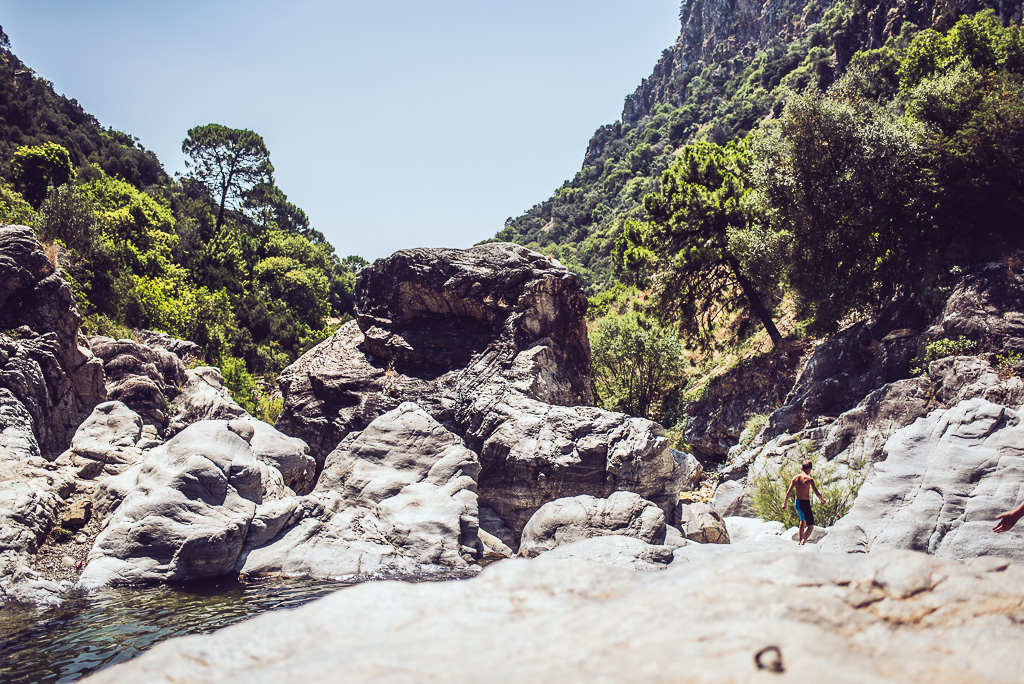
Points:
94	631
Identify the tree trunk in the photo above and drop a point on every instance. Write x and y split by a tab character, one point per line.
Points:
756	305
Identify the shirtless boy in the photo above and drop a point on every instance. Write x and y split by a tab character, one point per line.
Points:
803	483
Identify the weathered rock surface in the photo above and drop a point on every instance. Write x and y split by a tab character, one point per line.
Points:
399	496
700	522
886	617
616	550
185	350
185	510
986	306
32	495
109	437
42	363
48	384
690	469
940	486
491	342
203	397
572	519
143	378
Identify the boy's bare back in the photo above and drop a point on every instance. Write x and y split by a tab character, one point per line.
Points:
802	484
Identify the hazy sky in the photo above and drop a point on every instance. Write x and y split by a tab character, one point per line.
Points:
392	124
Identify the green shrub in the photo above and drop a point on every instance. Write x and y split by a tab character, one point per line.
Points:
769	491
751	428
940	349
1005	364
240	383
636	360
269	407
99	324
60	535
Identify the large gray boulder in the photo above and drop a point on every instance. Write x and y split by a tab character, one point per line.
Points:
888	617
109	438
203	396
399	496
184	512
491	342
572	519
143	378
701	523
616	550
940	486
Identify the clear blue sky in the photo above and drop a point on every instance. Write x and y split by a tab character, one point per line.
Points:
392	124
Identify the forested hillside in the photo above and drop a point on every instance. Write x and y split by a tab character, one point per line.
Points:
219	257
732	66
815	163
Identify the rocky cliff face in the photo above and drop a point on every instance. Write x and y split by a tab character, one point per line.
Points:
490	342
730	32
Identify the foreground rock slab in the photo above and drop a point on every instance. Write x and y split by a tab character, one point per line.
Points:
889	617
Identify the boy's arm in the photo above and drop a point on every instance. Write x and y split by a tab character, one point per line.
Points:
1008	519
785	502
814	486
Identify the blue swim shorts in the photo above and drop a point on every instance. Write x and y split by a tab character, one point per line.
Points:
803	509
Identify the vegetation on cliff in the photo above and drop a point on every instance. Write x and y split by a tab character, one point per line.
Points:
219	257
849	198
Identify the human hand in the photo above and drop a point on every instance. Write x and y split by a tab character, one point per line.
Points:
1007	520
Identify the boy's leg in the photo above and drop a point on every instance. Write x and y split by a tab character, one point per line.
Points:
800	536
810	528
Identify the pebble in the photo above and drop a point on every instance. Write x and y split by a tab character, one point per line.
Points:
81	539
68	561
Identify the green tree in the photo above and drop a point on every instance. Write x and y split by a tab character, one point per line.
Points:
685	242
37	167
966	90
838	179
226	163
635	360
14	208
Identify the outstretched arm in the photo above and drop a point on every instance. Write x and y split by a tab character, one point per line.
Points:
1008	519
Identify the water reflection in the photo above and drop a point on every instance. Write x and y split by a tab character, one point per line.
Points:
91	632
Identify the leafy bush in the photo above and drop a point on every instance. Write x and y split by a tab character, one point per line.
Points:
751	428
769	491
239	382
940	349
251	393
36	167
98	324
1006	364
635	360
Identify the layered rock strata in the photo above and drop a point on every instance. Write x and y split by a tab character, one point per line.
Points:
49	382
940	485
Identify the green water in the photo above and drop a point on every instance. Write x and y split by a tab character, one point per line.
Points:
107	627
